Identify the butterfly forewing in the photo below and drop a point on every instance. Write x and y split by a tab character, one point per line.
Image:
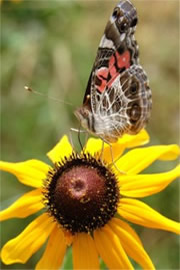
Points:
117	49
117	98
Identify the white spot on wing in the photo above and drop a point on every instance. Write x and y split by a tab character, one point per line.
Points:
122	36
106	43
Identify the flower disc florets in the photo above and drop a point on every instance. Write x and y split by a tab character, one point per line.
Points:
81	193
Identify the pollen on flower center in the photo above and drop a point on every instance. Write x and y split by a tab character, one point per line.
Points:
81	193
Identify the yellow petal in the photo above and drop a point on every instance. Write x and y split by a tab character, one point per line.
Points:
127	141
30	173
138	159
131	243
94	145
22	247
25	206
140	213
68	236
138	186
135	140
84	252
54	252
61	150
110	249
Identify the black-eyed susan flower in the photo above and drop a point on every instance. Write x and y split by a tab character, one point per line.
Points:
86	204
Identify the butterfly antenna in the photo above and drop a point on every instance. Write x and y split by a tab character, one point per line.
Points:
44	95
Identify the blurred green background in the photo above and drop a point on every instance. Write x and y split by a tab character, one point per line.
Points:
51	46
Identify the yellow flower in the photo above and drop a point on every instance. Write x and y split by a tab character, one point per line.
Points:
98	198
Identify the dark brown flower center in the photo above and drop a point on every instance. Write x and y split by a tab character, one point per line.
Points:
81	193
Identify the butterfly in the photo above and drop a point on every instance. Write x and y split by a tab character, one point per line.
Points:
118	98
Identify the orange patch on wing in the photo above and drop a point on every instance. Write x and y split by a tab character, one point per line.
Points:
102	75
123	60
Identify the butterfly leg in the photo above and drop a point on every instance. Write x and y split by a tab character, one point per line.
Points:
71	139
79	138
86	139
102	151
113	162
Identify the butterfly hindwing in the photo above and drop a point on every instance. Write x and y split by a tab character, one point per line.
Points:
126	105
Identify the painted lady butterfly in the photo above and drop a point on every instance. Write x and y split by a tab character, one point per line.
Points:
118	98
